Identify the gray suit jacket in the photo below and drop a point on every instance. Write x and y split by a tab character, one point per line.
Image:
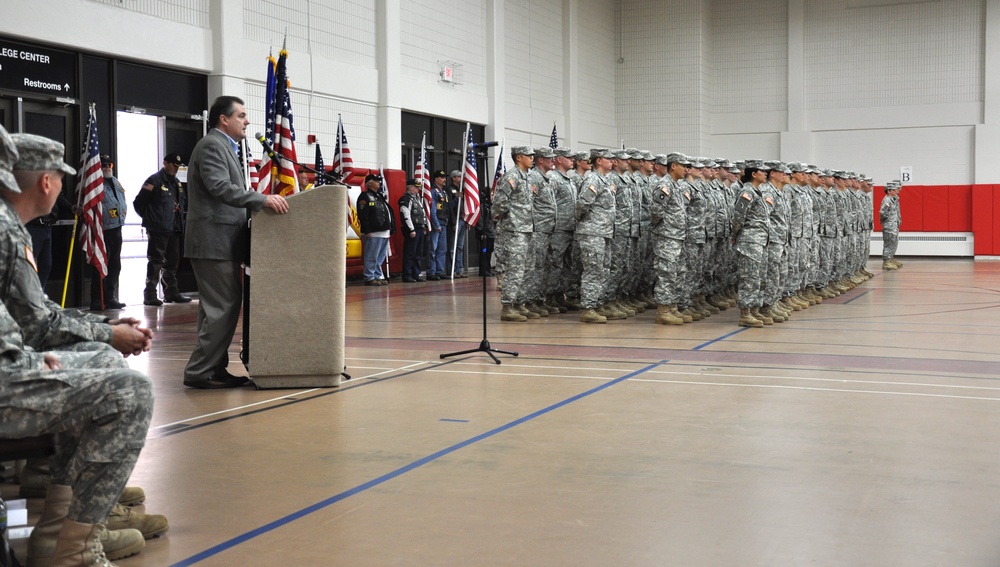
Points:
217	202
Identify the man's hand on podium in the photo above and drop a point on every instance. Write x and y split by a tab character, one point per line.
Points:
276	203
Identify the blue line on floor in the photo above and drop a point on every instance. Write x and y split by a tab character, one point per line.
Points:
212	551
722	338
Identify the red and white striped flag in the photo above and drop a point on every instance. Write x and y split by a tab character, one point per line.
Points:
90	193
263	178
284	178
423	177
470	181
342	164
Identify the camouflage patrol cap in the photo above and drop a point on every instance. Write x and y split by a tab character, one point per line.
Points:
564	152
38	153
647	155
678	158
840	174
723	163
796	167
697	162
633	153
521	151
709	162
619	154
8	157
661	159
600	153
755	164
544	152
581	156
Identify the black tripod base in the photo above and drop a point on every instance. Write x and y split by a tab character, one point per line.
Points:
483	347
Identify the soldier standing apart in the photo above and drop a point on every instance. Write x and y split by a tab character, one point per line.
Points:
161	204
750	229
114	208
669	226
413	221
377	225
595	227
513	225
890	217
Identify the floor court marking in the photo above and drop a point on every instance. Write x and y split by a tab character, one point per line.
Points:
215	550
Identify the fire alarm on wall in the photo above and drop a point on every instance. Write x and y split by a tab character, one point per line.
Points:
311	138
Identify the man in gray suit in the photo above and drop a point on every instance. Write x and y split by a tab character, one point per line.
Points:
216	241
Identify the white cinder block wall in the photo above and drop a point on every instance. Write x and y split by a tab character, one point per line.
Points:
868	85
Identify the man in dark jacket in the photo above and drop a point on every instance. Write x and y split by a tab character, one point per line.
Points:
161	204
377	223
413	221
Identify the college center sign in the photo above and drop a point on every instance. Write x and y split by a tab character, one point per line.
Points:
32	69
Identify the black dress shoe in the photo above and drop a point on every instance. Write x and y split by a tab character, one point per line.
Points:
434	278
409	280
153	302
221	379
116	305
177	299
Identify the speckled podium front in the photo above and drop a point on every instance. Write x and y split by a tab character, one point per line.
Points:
298	265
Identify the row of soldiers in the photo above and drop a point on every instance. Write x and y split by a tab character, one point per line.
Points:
614	232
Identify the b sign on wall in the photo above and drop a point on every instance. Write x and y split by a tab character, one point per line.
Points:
906	173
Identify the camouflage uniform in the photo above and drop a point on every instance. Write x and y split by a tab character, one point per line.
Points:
750	226
561	270
890	217
826	214
669	227
97	408
543	213
513	226
777	241
621	242
694	240
595	216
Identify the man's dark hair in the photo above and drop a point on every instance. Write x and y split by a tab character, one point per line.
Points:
223	106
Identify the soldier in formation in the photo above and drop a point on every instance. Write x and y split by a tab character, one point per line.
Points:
615	232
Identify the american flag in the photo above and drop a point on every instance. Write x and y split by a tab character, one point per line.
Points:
554	138
284	183
320	178
423	177
90	193
470	181
263	182
343	165
383	189
501	169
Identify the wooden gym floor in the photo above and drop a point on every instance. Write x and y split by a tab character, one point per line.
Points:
864	432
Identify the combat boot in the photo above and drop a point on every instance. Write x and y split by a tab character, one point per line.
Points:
624	308
718	302
573	303
551	307
684	316
693	313
888	265
639	306
773	314
758	313
610	312
536	309
151	525
557	302
79	545
665	315
591	316
523	310
508	313
896	262
649	299
34	478
706	306
748	320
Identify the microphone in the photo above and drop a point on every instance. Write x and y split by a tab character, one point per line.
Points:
267	147
486	144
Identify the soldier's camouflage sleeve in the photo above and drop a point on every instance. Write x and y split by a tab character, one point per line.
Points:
14	357
43	324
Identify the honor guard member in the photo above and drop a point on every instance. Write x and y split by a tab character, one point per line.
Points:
455	252
668	224
413	222
595	228
750	228
438	237
890	217
512	217
377	225
162	202
543	210
114	209
564	281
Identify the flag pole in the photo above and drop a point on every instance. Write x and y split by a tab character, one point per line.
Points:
69	261
461	200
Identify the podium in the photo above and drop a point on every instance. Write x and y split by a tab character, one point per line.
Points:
297	288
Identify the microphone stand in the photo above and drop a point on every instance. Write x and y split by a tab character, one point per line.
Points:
245	351
484	346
